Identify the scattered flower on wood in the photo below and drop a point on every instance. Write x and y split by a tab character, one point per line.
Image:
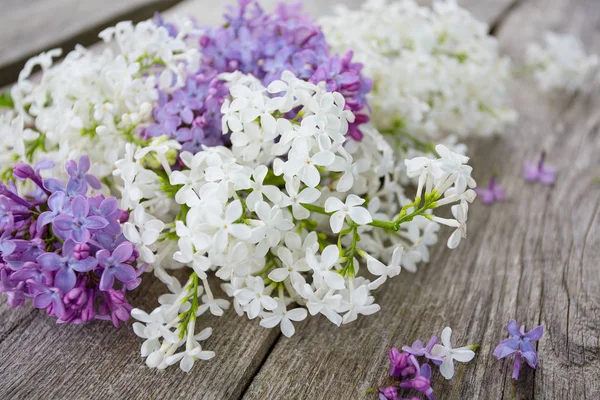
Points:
533	172
492	193
519	344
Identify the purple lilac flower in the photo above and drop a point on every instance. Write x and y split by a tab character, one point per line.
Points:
539	172
115	265
520	344
421	381
78	173
400	366
388	393
57	204
418	350
63	249
66	265
78	224
493	193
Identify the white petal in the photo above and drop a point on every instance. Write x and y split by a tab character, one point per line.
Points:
323	158
287	328
297	314
234	211
447	368
270	322
309	195
268	302
337	221
279	274
353	200
333	204
334	280
446	334
454	239
345	183
240	231
186	364
310	175
330	256
360	215
463	354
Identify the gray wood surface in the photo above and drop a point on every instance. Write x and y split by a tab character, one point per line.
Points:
535	258
31	26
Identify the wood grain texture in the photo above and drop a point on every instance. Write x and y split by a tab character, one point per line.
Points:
534	258
31	26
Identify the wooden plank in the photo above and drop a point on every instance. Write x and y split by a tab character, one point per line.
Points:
29	27
533	258
96	361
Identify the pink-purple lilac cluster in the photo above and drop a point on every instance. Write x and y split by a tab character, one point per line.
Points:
411	374
264	45
65	249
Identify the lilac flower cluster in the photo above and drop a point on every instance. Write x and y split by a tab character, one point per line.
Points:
65	249
412	375
520	344
263	45
192	115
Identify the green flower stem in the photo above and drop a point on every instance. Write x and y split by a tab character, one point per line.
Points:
392	225
189	315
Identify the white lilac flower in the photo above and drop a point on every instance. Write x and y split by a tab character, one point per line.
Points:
383	271
281	316
449	354
324	268
253	297
351	208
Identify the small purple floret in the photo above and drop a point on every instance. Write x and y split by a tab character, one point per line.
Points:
520	344
493	193
539	172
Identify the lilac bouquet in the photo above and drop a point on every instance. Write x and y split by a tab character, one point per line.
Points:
64	248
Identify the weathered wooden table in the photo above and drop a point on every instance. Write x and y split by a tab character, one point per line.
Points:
535	257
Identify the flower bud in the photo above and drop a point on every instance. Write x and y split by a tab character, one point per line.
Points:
81	251
23	171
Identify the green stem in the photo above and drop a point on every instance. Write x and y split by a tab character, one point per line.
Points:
191	313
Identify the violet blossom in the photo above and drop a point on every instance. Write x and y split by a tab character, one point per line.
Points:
520	344
63	249
539	172
491	194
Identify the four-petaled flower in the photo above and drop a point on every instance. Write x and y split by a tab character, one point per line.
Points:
462	354
66	264
79	225
352	208
78	173
281	316
116	266
539	172
491	194
519	344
